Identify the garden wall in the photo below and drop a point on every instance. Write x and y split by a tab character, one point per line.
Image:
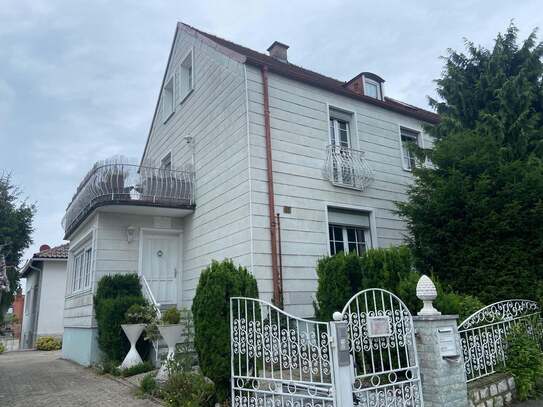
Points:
492	391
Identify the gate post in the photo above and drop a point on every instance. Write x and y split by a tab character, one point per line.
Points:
342	362
440	356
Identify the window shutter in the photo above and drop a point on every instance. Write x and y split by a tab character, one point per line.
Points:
348	217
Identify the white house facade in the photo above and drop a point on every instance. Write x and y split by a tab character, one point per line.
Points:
45	275
251	158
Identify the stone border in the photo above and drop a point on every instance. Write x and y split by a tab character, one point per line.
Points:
496	390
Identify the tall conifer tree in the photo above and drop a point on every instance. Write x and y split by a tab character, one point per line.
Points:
475	215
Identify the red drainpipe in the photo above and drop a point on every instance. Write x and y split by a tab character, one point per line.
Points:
277	295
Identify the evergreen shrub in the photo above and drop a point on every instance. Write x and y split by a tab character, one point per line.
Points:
114	296
211	313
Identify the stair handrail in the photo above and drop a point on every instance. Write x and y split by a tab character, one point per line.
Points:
150	296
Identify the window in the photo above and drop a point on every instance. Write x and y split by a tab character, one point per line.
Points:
81	270
340	140
409	138
348	231
372	88
185	78
166	162
168	100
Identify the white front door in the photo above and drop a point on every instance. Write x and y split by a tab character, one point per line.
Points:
160	259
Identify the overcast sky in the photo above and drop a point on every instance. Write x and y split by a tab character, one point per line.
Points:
79	79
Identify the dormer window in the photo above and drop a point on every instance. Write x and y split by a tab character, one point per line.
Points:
372	88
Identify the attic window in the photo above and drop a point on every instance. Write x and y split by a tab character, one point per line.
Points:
167	100
372	88
185	77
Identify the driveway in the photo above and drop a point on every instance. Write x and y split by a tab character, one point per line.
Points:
33	379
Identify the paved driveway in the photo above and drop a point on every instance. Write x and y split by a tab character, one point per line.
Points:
34	379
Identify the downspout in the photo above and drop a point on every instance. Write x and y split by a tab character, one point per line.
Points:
277	294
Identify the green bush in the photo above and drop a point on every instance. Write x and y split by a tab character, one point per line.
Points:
524	361
114	296
48	343
108	366
149	385
188	389
211	313
343	275
2	348
172	316
137	369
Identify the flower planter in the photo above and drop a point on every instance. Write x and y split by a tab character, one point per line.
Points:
132	332
172	335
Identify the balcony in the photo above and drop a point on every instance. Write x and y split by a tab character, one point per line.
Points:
347	167
115	182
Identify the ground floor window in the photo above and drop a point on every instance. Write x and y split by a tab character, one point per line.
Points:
347	239
81	270
348	231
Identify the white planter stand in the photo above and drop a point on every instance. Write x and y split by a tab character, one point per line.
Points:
172	335
132	332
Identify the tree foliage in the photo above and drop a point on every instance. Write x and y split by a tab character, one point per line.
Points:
16	218
475	215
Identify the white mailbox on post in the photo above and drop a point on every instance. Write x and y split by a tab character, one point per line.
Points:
447	343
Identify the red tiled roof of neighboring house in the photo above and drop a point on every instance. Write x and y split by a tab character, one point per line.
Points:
58	252
318	80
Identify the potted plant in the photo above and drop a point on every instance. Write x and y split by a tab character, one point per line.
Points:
171	329
136	319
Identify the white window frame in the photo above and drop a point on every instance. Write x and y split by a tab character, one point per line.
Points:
377	85
408	166
80	267
345	239
187	63
372	242
167	159
168	99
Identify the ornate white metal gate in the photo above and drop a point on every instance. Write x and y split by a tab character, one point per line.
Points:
483	335
382	344
278	359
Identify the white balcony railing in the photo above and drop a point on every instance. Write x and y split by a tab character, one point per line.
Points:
347	167
113	181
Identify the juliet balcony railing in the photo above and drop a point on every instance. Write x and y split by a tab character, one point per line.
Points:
116	182
347	167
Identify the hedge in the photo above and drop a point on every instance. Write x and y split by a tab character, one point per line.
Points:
114	296
343	275
211	313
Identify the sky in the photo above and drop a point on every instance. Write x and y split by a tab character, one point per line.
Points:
79	79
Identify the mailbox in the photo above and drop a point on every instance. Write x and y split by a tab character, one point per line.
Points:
344	356
447	343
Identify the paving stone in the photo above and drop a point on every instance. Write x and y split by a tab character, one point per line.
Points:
42	379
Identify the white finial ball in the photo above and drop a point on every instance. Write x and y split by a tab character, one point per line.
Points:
338	316
426	289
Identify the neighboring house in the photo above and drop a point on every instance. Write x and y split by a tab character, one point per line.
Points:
248	157
45	275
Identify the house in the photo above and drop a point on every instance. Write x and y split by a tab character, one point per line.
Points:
248	157
45	275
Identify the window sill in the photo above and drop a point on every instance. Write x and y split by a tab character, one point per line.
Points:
346	186
184	98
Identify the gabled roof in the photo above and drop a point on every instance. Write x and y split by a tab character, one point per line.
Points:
318	80
294	72
57	253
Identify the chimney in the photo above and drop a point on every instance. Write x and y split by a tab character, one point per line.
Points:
278	50
44	247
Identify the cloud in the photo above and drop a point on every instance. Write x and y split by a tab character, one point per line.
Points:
79	80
